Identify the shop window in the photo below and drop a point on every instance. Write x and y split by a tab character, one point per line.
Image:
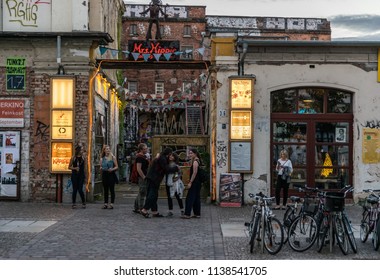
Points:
187	52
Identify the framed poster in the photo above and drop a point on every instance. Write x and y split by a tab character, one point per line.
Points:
230	192
340	134
10	151
241	93
61	153
241	157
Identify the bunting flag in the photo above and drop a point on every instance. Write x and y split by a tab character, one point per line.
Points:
102	50
201	51
135	55
146	56
167	56
157	56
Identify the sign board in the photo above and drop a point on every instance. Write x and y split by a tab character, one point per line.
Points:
153	50
11	113
230	193
15	73
241	125
62	124
61	153
241	93
241	157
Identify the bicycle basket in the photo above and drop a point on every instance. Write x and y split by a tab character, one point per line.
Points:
310	205
334	201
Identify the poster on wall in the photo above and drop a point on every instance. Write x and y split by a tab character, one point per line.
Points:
230	193
371	145
9	162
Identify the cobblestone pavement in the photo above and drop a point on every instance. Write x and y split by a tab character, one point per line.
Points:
119	234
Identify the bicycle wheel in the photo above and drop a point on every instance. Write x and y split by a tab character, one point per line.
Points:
340	234
255	230
302	233
289	216
350	233
273	235
323	232
364	226
376	236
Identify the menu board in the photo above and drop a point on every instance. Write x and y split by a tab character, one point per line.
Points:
9	163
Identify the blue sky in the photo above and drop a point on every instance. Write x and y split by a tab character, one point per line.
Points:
359	20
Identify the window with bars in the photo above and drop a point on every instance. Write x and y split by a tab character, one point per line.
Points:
132	87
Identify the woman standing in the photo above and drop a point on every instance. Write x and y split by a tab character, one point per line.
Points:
284	168
171	181
193	198
76	166
108	166
142	164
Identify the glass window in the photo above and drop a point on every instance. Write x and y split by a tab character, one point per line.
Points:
289	132
284	101
159	88
332	132
133	30
187	52
187	30
310	101
132	87
339	102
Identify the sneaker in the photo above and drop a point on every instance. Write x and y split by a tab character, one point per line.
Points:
170	214
73	206
182	212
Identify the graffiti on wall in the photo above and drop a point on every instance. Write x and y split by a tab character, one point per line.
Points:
221	154
27	15
372	124
42	133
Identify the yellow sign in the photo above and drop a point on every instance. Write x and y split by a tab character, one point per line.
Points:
241	93
61	154
241	125
371	145
62	124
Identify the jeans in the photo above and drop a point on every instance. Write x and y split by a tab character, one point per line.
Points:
140	198
170	200
281	184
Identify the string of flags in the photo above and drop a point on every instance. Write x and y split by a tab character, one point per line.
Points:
146	56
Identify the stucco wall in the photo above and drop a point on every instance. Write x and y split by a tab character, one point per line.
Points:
277	73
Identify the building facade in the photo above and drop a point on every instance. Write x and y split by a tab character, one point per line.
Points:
47	92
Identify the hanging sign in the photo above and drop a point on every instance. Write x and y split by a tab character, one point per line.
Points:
140	49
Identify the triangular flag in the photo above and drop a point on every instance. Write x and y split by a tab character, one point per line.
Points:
188	51
102	50
157	56
126	52
146	56
178	53
201	51
114	52
167	55
144	95
135	55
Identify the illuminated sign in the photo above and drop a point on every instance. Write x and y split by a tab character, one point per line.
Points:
241	93
15	73
241	124
61	154
153	50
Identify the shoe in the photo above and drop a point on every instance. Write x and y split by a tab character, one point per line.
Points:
137	211
74	206
145	214
110	206
185	217
158	215
83	206
195	216
170	214
277	208
182	212
105	206
283	207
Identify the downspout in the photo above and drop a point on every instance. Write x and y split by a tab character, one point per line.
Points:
241	60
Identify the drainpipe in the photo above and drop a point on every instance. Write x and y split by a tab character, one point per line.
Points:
241	60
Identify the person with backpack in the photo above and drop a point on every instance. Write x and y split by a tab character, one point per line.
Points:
193	198
140	170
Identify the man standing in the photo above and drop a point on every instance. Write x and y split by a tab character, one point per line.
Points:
154	12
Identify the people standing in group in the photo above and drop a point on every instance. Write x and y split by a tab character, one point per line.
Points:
108	166
156	172
77	167
193	198
284	168
142	164
172	181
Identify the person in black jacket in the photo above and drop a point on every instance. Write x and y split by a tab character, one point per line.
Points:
76	166
156	172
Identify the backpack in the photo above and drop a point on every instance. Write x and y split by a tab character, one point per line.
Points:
203	175
134	178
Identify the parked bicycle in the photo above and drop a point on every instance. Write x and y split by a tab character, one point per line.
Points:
370	221
302	231
333	221
264	228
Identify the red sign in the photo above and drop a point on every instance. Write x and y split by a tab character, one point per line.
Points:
163	50
11	113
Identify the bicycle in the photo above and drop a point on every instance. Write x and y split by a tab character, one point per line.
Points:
333	221
263	224
370	221
303	229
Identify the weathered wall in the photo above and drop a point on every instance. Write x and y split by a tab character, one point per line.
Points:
351	69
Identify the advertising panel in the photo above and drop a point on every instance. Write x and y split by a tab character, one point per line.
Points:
11	113
61	154
230	193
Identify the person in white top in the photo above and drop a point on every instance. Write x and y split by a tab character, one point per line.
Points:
284	168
